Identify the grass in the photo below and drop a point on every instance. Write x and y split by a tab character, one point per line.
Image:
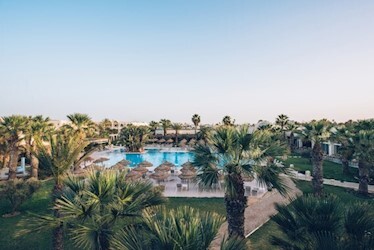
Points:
331	170
261	238
11	228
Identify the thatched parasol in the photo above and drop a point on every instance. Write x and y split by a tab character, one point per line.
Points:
118	166
161	140
187	175
146	164
133	175
170	141
153	140
163	168
140	169
159	176
167	163
188	166
124	162
101	160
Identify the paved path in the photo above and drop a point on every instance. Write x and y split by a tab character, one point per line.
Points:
258	212
333	182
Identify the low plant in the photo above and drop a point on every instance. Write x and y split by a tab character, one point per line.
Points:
17	191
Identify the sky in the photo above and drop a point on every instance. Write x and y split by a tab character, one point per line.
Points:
148	60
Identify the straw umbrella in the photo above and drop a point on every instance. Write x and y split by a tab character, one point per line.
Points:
163	168
141	169
159	176
101	160
188	166
161	140
146	164
187	175
124	162
170	141
133	175
167	163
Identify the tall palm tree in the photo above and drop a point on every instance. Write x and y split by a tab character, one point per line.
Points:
177	127
95	209
60	155
282	122
324	223
81	124
196	121
237	153
165	123
153	125
12	128
181	228
38	129
228	121
104	127
317	132
343	135
363	140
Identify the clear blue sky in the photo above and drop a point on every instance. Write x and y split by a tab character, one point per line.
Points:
146	60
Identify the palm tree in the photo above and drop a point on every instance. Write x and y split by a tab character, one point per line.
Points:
181	228
38	129
105	127
12	128
94	209
81	124
134	137
154	125
343	135
59	156
227	121
196	121
237	153
317	132
282	122
165	123
324	223
363	141
176	127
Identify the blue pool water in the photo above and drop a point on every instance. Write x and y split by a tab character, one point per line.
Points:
155	156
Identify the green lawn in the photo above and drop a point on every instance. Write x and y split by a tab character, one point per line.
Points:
11	236
331	170
261	238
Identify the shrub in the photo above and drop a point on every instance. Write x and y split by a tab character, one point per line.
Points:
18	191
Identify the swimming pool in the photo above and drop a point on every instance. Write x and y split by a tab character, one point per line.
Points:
154	156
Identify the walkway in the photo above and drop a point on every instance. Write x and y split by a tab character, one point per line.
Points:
332	182
258	212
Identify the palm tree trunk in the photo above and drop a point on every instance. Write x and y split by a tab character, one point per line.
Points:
13	162
317	160
58	232
34	163
176	138
235	207
363	172
345	164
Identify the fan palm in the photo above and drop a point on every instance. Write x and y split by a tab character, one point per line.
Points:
343	135
38	129
282	122
182	228
59	156
317	132
177	127
323	223
93	210
237	153
227	121
165	123
196	121
81	124
13	129
134	137
363	140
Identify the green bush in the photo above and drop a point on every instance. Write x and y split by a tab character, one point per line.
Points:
18	191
